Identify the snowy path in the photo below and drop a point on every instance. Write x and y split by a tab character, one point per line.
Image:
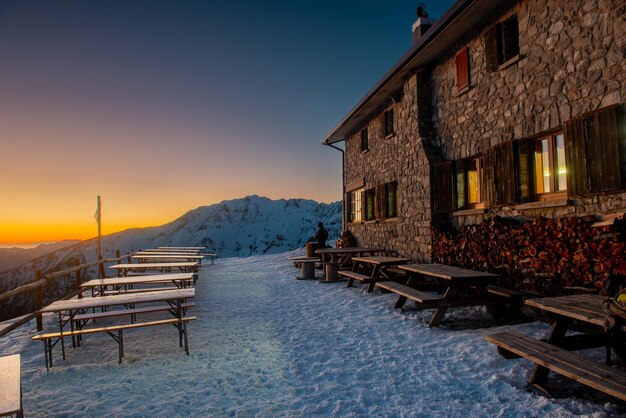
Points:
265	344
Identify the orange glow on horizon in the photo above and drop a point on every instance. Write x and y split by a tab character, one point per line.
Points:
31	233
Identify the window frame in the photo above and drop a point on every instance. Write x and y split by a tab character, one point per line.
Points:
364	140
462	61
389	122
502	46
356	206
552	167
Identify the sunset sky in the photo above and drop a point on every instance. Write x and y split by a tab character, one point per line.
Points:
164	106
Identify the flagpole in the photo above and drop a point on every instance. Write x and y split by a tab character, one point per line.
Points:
99	212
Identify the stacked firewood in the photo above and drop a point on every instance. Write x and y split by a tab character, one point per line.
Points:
543	255
346	240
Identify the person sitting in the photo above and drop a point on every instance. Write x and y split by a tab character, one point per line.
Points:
321	235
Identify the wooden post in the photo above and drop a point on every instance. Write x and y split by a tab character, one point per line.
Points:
117	254
78	278
101	268
39	300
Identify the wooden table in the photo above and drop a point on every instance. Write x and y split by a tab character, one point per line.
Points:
588	309
375	268
10	386
67	309
199	249
184	267
343	256
156	258
181	280
452	280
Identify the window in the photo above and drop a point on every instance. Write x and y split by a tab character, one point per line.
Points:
473	182
389	122
501	43
356	210
380	202
364	140
462	69
550	173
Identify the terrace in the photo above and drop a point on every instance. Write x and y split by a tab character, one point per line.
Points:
267	344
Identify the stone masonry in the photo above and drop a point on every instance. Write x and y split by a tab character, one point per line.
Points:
571	61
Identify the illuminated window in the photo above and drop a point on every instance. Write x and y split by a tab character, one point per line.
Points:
356	206
550	171
473	182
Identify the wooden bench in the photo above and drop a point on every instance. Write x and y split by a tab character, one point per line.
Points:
593	374
180	323
515	296
352	276
406	292
139	290
10	386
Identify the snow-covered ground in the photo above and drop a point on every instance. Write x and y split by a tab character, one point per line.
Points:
266	344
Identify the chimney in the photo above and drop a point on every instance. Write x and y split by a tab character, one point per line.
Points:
422	24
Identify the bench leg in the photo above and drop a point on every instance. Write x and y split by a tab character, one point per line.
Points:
45	354
400	303
370	287
120	343
350	282
184	325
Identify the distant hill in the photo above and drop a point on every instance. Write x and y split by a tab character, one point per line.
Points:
14	257
234	228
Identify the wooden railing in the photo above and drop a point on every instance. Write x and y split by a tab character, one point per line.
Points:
43	279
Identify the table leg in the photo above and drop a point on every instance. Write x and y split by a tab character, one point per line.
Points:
441	312
62	339
373	277
539	374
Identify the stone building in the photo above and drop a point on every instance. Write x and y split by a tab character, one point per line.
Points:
500	110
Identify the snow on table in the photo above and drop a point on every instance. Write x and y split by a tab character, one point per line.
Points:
266	344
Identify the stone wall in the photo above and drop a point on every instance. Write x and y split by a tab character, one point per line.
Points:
400	157
571	61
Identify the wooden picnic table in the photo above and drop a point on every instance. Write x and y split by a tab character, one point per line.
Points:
184	267
555	352
147	258
374	267
451	280
588	309
166	250
181	280
183	248
343	256
66	309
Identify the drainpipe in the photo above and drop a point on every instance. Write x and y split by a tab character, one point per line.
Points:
343	185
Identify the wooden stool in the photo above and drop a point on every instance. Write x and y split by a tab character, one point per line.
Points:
330	272
307	269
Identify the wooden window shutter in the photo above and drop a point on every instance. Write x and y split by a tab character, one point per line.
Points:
391	199
347	207
605	173
380	201
523	160
442	187
499	175
491	48
462	69
575	133
363	205
461	183
510	38
593	147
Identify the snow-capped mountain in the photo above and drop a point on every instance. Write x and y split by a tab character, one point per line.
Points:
234	228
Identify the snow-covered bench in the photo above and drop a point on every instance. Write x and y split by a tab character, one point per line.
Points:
116	332
10	386
591	373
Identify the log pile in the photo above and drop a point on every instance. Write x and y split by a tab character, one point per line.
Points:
541	255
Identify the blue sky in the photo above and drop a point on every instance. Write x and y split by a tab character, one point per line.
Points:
197	101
